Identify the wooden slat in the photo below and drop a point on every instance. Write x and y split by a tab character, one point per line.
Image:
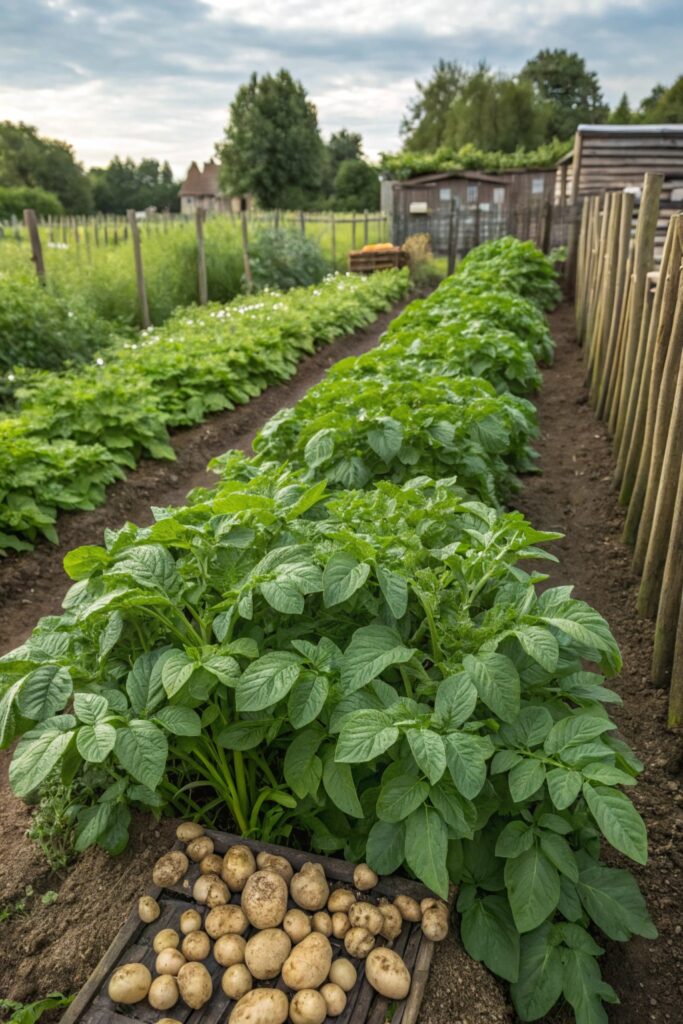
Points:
133	944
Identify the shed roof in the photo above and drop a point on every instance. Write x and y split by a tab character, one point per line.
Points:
425	179
628	131
201	183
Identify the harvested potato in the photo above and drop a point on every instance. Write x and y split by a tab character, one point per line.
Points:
335	998
309	888
196	946
297	924
194	982
392	921
167	938
435	923
387	973
190	921
212	864
168	1020
340	924
265	953
274	862
148	909
169	961
364	878
408	908
188	831
340	901
236	981
238	865
229	950
225	920
307	1007
308	965
322	922
261	1006
129	984
429	902
358	942
343	973
170	868
264	899
163	992
199	848
211	890
366	915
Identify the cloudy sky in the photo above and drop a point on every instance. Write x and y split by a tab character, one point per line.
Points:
155	77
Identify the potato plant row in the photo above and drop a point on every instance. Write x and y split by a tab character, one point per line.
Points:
351	652
76	432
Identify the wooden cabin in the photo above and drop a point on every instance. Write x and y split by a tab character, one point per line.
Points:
527	186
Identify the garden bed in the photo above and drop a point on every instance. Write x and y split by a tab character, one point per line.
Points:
56	946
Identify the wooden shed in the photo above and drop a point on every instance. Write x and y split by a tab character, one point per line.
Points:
528	185
616	156
432	193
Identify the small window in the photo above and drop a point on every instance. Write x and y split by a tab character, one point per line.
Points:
444	195
499	196
537	186
677	195
472	193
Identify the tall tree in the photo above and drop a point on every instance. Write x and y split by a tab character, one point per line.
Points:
622	113
573	92
343	145
664	106
424	125
272	146
356	186
494	112
28	159
124	185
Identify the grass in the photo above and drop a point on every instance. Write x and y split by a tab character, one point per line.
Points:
103	277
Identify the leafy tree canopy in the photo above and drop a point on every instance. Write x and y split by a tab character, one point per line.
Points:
424	127
27	159
356	186
124	185
572	92
272	146
664	106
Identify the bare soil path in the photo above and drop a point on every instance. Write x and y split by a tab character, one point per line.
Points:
55	947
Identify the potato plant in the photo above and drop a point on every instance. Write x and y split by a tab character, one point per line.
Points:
371	670
87	426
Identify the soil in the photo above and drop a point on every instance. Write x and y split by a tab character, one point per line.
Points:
54	947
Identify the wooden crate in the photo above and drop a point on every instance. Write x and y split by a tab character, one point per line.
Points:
362	262
133	943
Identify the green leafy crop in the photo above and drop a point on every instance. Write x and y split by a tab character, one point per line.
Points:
352	652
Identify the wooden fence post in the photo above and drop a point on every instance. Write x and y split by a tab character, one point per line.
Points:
365	229
31	222
670	594
139	272
245	252
665	401
642	264
302	222
622	277
333	241
547	226
452	237
203	286
642	456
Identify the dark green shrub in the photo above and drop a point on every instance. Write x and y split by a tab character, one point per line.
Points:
286	259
